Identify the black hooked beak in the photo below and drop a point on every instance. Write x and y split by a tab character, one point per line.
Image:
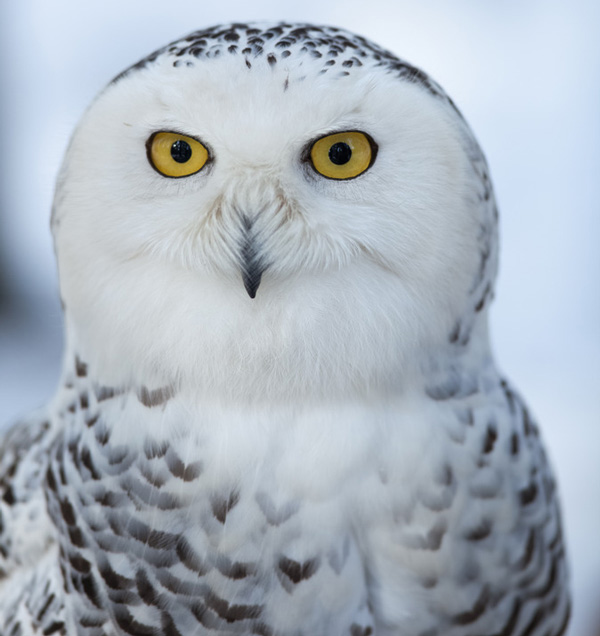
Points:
252	262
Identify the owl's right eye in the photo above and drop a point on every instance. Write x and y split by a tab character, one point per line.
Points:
176	155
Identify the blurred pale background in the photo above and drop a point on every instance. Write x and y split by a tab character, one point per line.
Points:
527	77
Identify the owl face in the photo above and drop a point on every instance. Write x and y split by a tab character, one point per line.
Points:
255	207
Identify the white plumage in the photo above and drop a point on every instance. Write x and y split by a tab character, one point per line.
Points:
279	413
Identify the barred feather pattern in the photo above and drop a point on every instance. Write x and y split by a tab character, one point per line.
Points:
150	542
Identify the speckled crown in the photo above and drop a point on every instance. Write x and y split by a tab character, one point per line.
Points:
338	51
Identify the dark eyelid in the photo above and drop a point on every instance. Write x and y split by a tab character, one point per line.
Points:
305	153
182	134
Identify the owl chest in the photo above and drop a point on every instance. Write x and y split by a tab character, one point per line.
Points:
245	519
221	529
251	486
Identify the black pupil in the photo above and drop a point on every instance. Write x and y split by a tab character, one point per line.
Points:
340	153
181	151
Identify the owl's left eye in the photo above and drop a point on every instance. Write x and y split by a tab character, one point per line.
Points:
343	155
176	155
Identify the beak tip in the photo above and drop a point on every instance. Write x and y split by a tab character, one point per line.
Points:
251	262
251	283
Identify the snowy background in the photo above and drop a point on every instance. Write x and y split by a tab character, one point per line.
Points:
527	77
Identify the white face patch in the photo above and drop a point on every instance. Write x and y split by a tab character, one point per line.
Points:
252	245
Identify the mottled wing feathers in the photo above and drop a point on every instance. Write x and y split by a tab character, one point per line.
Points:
25	529
30	600
482	537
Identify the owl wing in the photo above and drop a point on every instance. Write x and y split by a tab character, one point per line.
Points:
478	548
30	598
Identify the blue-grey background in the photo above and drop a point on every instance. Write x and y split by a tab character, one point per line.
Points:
527	77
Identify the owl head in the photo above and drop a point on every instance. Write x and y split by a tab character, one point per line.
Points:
273	210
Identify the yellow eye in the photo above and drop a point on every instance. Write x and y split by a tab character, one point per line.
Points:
175	155
343	155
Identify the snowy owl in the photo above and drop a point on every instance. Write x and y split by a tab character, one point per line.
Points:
278	413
